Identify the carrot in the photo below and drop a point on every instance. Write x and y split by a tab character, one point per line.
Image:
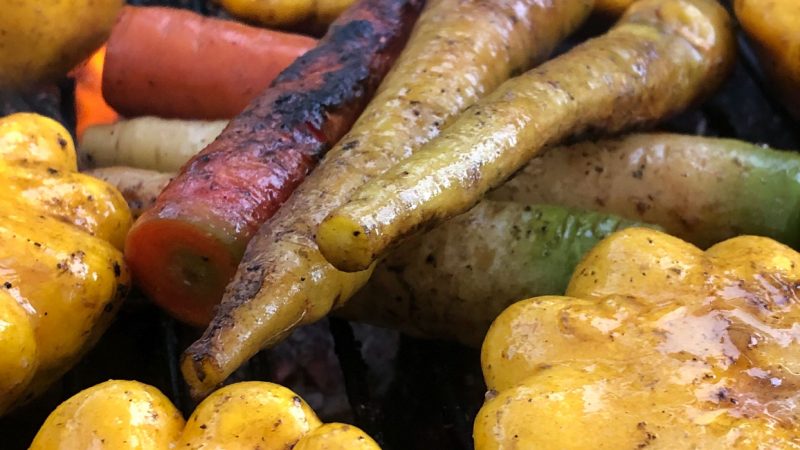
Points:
147	142
283	281
178	64
90	107
186	248
598	85
139	187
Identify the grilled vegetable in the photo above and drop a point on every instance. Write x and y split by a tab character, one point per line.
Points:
703	190
287	13
613	7
774	27
18	360
41	41
61	277
112	415
336	436
656	345
139	187
174	63
246	414
657	60
184	250
282	272
147	142
453	281
119	415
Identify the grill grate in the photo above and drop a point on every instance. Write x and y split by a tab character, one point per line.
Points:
406	392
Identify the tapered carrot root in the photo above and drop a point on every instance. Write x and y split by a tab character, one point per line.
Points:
283	280
661	57
185	249
174	63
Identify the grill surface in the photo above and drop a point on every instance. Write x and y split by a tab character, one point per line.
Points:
406	392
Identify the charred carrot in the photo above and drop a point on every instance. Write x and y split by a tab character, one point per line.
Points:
174	63
186	248
283	281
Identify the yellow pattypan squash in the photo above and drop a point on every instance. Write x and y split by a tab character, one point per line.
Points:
127	415
61	269
656	345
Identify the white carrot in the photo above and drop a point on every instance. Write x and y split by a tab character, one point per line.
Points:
147	142
140	187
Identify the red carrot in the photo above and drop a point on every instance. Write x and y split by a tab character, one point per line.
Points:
175	63
186	248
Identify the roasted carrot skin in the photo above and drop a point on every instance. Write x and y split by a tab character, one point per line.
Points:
283	281
662	57
174	63
186	248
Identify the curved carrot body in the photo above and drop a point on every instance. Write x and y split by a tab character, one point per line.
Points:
186	248
175	63
649	66
283	280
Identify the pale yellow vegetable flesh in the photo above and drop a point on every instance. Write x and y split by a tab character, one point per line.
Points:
656	345
58	259
147	142
127	415
662	56
458	51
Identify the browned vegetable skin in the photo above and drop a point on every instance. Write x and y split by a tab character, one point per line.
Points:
700	189
453	281
184	250
458	51
656	61
139	187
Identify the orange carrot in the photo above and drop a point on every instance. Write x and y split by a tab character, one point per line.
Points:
90	107
184	250
178	64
